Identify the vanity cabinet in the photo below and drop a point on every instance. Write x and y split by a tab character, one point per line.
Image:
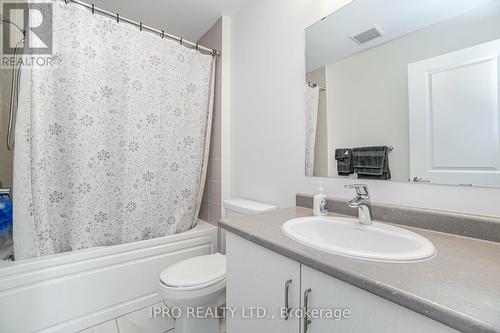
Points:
367	312
256	277
256	280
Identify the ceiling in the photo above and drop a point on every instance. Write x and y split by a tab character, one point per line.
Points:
189	19
327	41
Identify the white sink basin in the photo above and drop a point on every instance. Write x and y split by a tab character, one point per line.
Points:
347	237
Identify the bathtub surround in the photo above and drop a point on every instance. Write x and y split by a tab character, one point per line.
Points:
119	153
6	156
210	210
270	166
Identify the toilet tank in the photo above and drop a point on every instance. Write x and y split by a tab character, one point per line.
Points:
240	207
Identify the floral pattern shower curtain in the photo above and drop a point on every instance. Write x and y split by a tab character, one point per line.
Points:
312	103
111	140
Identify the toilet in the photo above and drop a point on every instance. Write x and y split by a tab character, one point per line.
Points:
200	282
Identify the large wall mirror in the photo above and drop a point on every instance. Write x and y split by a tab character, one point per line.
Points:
405	91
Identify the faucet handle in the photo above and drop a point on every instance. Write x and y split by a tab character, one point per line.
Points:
361	189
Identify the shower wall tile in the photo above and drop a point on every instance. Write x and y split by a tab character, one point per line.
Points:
215	144
6	172
4	114
203	210
6	156
214	212
214	192
210	210
214	171
5	98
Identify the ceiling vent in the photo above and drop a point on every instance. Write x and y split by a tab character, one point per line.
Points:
367	35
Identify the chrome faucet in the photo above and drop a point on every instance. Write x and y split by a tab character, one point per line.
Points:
362	203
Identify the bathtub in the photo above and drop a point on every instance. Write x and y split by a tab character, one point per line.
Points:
71	291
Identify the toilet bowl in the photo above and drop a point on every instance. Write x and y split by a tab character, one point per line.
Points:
199	283
195	288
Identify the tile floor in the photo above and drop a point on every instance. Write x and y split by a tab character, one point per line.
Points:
136	322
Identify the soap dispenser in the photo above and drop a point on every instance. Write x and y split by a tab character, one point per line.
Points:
320	207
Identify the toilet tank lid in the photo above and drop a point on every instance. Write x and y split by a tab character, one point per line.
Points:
248	207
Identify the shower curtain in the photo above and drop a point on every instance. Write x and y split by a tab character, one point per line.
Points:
111	140
312	103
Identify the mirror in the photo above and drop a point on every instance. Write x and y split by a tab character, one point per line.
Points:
405	91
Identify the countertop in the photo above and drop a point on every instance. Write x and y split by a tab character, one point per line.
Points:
459	287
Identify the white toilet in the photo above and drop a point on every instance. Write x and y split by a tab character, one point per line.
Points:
200	282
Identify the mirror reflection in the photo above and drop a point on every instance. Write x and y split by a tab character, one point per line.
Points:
406	94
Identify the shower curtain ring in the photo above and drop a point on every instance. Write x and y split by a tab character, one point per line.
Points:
197	46
93	9
181	41
140	26
117	18
163	34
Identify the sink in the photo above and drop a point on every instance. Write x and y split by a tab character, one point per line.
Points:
347	237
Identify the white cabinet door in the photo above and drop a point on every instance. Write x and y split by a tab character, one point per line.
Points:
368	312
256	277
455	117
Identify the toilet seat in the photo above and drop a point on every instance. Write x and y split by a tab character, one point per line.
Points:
198	287
195	273
178	294
196	280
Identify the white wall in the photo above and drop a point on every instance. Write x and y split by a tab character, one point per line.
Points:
267	116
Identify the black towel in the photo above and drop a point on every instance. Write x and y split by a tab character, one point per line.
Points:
344	161
371	162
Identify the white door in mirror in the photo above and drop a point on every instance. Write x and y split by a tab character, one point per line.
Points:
347	237
454	117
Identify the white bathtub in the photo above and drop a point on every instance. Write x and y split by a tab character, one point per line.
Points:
70	291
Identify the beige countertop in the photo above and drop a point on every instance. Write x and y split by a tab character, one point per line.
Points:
459	287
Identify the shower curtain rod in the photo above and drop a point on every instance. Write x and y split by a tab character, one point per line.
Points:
314	85
143	27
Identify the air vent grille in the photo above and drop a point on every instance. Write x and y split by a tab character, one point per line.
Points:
367	35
